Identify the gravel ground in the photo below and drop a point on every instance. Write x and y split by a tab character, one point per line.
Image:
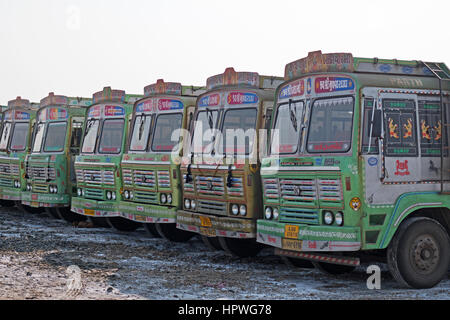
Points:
43	258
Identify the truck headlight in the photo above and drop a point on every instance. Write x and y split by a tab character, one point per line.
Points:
79	192
339	217
169	199
163	198
328	217
113	195
235	209
243	210
275	213
193	204
187	203
126	194
268	213
108	195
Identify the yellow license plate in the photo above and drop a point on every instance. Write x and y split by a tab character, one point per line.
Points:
89	212
291	232
206	222
209	232
289	244
35	204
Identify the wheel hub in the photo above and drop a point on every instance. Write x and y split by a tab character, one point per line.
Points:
425	254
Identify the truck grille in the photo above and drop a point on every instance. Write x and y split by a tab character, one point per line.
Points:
9	169
299	215
164	179
210	186
237	187
95	177
212	207
41	174
139	178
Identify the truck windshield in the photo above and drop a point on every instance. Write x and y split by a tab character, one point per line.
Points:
287	129
166	125
141	132
5	136
238	131
38	136
90	137
19	136
112	135
330	128
205	122
55	137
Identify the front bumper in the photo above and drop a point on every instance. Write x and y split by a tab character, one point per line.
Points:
216	226
13	194
147	213
94	208
45	200
306	238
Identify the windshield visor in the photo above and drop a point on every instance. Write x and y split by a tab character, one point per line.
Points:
112	136
204	131
287	129
55	137
90	136
19	136
38	137
6	132
238	131
167	133
141	132
331	123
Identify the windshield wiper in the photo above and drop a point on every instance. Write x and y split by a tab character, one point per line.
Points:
141	126
293	115
209	114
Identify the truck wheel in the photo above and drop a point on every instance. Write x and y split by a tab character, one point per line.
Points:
170	232
99	222
150	228
213	244
241	248
297	263
122	224
7	203
52	213
418	255
69	216
332	269
29	209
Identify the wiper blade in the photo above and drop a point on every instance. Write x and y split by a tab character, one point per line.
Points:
141	126
293	115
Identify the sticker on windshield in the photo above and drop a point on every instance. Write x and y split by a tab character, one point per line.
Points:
114	111
210	100
333	84
294	89
235	98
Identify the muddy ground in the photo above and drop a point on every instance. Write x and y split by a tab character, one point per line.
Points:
43	258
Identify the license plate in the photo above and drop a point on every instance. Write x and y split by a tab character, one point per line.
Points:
289	244
209	232
206	222
89	212
291	232
35	204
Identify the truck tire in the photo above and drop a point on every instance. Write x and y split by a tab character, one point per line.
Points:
333	269
150	228
99	222
169	231
52	213
241	248
419	254
69	216
213	244
297	263
7	203
29	209
122	224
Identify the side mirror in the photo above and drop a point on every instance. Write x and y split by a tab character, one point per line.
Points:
376	124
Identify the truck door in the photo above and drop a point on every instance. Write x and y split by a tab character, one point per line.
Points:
401	155
430	137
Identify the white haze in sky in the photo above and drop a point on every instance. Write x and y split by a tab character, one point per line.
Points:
76	47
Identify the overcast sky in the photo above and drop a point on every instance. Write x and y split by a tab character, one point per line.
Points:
76	47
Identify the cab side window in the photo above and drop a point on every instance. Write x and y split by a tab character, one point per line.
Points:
400	127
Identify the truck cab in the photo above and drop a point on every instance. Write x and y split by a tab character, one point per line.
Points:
15	141
151	167
97	167
50	172
220	171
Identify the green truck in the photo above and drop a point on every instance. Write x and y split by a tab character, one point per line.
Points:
220	171
97	167
15	141
151	167
359	166
49	167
